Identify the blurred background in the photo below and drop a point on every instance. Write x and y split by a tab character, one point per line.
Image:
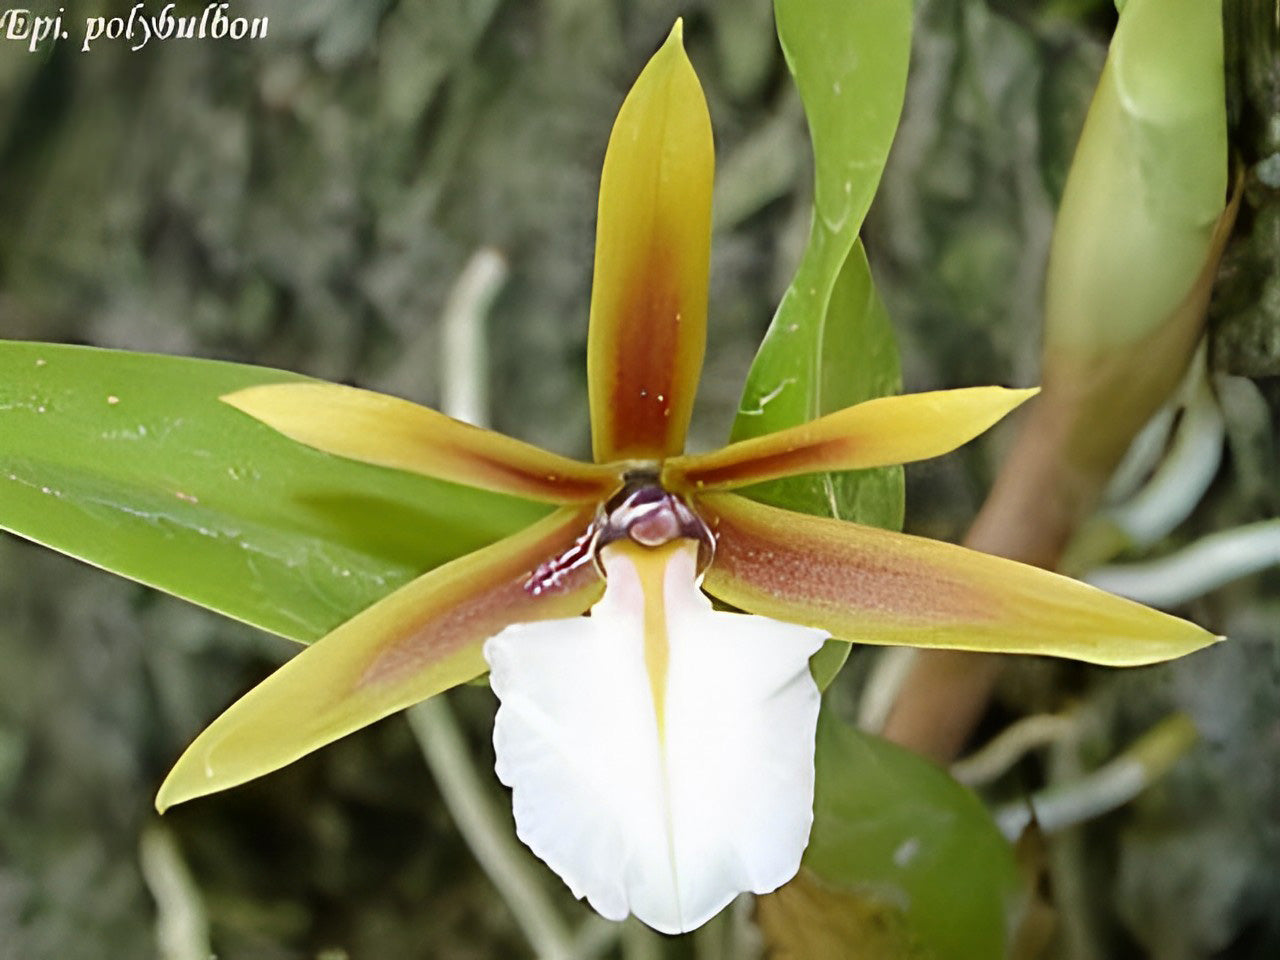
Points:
310	201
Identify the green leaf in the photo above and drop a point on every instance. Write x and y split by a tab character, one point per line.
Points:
828	662
859	362
901	857
130	462
830	344
902	862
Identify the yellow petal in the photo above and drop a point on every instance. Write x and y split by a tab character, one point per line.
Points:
420	640
872	586
390	432
653	241
876	433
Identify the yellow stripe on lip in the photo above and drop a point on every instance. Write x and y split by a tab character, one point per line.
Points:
651	564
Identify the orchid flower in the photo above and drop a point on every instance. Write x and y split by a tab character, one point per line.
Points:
660	752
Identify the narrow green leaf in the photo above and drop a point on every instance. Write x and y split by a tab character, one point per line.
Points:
901	856
130	462
830	343
859	361
902	862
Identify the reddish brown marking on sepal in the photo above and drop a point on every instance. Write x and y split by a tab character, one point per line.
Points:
867	574
643	366
778	464
474	608
544	487
874	586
